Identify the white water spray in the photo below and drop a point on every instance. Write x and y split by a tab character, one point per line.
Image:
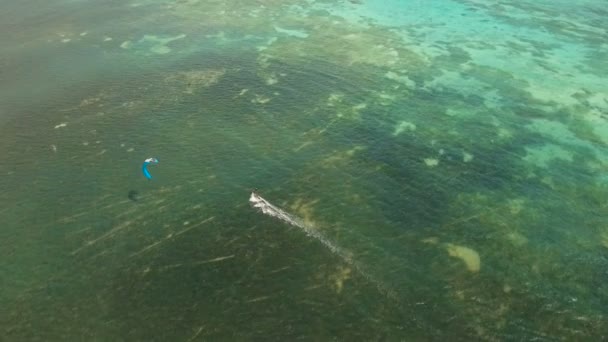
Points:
270	209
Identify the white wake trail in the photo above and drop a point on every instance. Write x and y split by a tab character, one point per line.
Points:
270	209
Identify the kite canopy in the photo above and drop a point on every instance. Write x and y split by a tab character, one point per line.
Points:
144	167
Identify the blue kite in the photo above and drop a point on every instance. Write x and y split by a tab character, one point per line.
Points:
144	167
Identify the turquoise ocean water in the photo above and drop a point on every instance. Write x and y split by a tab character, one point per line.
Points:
445	162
